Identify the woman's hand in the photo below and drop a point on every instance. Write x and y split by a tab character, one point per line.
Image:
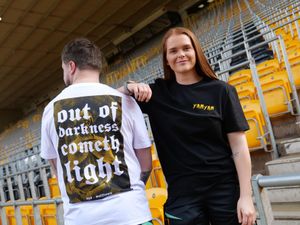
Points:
246	211
142	92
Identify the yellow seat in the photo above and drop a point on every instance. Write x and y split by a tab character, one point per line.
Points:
246	91
240	76
256	134
53	186
48	214
294	57
267	67
292	45
157	198
276	91
294	60
10	215
157	178
296	75
26	214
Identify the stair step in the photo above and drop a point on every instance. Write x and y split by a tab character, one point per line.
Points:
291	146
286	222
284	194
286	165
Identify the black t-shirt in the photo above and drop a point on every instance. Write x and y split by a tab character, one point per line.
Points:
190	125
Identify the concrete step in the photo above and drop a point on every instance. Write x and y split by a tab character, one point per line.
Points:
285	214
289	146
286	211
285	165
286	222
284	195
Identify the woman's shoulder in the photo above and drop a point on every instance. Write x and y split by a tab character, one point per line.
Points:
218	83
222	83
158	83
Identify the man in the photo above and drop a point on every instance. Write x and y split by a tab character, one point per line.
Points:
96	141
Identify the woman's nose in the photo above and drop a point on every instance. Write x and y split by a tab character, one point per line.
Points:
180	54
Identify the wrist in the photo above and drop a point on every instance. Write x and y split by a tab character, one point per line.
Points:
126	87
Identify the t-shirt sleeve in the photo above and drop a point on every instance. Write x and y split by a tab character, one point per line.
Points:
140	134
47	147
146	106
234	118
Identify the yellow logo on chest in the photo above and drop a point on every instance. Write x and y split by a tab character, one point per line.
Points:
203	107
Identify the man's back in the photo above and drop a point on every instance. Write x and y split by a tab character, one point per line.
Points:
93	130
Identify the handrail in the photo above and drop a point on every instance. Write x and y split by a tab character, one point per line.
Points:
279	180
259	185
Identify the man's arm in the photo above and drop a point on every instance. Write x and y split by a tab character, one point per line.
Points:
145	159
141	92
53	166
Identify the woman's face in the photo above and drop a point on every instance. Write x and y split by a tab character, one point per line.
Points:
180	53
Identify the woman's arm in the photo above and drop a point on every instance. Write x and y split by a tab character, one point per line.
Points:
142	92
241	156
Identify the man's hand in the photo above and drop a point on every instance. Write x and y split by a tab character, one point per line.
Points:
142	92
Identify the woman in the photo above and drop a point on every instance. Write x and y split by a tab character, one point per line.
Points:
198	127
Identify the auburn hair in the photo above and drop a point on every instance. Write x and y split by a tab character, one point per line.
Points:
203	68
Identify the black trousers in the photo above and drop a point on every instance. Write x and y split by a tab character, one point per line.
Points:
216	206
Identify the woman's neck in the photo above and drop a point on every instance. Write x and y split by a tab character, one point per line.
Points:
188	78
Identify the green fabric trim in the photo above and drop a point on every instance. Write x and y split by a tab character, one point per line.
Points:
172	217
147	223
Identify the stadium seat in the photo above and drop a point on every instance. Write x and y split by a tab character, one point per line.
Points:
296	75
157	178
294	60
239	77
292	45
276	86
10	215
48	214
294	57
53	186
267	67
246	91
26	214
157	198
256	134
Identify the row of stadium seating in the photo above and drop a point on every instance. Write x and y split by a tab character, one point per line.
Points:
232	33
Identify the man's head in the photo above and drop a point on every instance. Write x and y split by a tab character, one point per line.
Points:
80	54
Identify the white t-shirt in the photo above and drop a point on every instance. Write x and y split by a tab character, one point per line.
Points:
92	131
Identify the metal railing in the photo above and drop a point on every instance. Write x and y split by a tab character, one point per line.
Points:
260	184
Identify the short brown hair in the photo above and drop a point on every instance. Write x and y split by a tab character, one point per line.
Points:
203	68
84	53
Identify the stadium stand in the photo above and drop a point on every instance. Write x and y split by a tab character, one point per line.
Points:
253	45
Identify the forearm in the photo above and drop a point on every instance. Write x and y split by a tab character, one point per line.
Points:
140	91
145	176
145	160
243	166
242	161
53	166
123	90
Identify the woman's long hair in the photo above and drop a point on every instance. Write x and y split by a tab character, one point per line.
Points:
202	66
